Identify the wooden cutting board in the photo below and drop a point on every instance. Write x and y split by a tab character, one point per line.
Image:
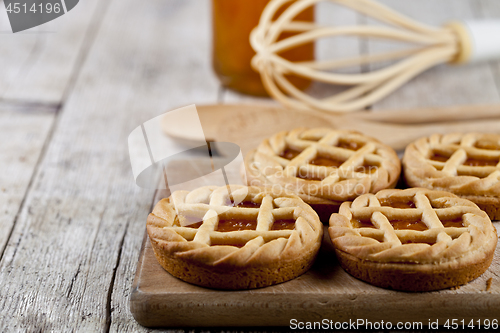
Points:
326	291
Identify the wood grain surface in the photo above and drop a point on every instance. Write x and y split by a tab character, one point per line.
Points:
72	219
40	64
24	134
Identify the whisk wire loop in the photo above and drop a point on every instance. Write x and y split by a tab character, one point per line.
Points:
430	46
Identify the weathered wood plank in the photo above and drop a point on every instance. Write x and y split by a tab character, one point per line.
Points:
38	64
25	130
189	79
75	246
444	84
490	9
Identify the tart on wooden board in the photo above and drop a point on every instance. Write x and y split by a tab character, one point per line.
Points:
204	238
413	240
467	165
323	166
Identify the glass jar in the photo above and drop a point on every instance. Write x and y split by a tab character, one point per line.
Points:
232	21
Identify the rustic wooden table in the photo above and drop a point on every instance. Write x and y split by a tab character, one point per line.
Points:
72	219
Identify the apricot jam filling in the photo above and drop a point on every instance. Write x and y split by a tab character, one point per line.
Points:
453	223
366	168
236	224
397	203
417	242
439	204
195	225
289	153
348	145
477	162
326	161
439	157
189	222
248	204
408	225
283	224
357	223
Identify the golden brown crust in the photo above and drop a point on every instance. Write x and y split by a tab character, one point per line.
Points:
243	259
401	277
491	205
366	165
478	183
231	277
439	255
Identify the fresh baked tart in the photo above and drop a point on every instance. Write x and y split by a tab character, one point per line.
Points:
203	238
413	240
464	164
325	167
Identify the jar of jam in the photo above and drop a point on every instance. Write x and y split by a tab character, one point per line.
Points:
232	21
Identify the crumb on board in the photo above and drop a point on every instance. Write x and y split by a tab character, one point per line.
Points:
488	284
455	288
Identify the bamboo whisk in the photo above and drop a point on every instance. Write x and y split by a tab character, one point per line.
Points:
457	42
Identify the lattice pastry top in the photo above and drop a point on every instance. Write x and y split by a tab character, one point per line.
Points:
323	165
412	226
413	240
465	164
265	230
